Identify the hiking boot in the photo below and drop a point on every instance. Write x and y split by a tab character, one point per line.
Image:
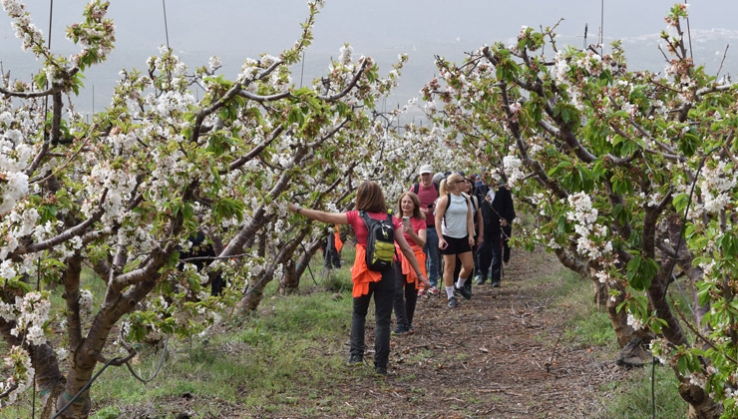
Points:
434	291
380	371
355	360
452	303
496	284
464	292
401	330
480	280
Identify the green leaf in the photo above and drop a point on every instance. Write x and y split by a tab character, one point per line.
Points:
640	272
683	365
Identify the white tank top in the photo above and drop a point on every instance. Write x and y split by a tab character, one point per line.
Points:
454	224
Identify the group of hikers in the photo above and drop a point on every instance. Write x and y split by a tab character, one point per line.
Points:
467	220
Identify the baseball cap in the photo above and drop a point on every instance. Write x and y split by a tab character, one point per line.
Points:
426	168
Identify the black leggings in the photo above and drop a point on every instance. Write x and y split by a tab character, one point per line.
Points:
406	297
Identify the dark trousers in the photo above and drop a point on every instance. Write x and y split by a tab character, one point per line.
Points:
406	297
506	234
331	258
384	292
490	256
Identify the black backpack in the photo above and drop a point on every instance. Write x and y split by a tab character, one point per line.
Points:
380	244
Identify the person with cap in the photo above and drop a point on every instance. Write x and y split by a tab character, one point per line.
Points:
427	193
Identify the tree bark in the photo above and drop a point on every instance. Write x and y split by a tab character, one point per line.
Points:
289	283
619	319
701	405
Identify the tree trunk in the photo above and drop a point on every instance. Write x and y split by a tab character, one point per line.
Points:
600	294
701	405
43	359
289	283
619	319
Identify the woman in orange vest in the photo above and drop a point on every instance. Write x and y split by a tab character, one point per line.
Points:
408	284
370	199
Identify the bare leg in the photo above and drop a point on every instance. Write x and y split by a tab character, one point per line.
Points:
449	264
467	265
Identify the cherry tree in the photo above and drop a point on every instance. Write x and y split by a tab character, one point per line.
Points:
122	194
630	176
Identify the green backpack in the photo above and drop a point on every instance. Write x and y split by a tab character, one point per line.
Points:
380	244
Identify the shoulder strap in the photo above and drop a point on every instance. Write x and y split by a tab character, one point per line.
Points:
448	204
435	186
416	188
365	218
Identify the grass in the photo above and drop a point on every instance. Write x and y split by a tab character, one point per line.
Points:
631	398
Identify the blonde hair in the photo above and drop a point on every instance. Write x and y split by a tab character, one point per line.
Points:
443	188
452	180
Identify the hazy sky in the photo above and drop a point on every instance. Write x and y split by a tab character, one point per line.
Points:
236	29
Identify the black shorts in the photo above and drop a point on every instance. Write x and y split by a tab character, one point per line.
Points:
456	246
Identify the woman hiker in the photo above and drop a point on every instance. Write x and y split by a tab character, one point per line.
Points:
369	199
455	229
406	294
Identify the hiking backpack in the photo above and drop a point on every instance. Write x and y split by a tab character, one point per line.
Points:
380	244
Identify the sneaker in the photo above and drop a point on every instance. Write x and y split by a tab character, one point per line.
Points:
421	292
400	330
479	281
452	303
355	360
434	291
464	292
496	284
380	371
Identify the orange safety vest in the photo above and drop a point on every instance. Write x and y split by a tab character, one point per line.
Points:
361	275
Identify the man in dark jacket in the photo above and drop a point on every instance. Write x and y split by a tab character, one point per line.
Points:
498	213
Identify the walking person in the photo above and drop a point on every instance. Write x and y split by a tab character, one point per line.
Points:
455	228
427	193
498	212
408	283
370	202
478	229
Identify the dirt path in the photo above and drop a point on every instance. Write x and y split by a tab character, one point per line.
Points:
499	355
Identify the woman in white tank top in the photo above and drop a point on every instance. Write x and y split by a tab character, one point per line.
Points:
455	228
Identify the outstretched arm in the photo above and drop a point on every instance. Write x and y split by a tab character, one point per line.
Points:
326	217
